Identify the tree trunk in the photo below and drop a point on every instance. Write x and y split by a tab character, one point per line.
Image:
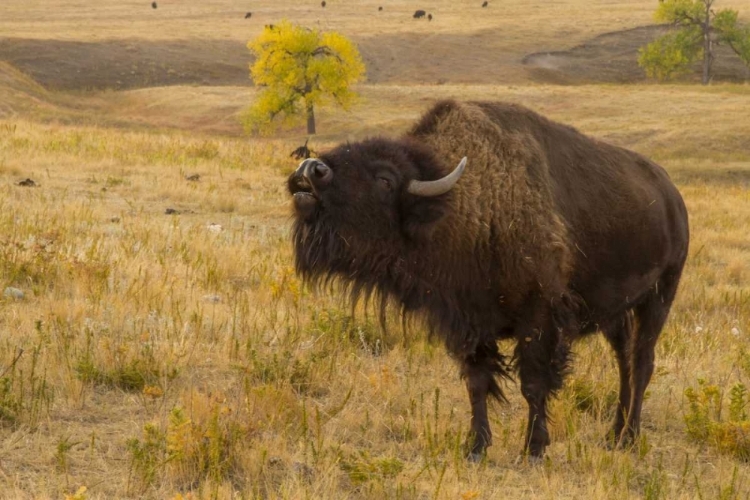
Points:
707	46
310	118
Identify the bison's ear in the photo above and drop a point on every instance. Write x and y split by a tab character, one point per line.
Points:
419	217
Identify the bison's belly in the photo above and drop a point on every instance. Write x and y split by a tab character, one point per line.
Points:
615	276
608	297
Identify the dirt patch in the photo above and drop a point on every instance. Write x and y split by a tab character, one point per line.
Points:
480	57
127	64
137	63
613	58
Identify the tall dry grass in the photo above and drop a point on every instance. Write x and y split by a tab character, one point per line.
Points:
178	356
162	355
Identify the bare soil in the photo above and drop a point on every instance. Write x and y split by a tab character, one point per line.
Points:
479	57
137	63
613	58
127	64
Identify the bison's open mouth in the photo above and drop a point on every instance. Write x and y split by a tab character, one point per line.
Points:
302	195
305	199
306	183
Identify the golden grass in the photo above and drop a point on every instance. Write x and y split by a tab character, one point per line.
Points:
75	19
525	24
177	356
300	398
663	121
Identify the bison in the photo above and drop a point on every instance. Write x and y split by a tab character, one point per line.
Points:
539	234
419	14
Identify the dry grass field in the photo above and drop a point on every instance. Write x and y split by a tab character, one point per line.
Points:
176	355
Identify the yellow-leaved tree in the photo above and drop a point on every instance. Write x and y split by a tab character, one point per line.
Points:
299	69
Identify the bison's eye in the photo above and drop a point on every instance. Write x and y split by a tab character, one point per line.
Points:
385	181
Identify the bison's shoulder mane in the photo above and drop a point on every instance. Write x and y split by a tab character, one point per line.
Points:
509	117
503	203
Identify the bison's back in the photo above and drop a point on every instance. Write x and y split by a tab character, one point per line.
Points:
536	185
624	215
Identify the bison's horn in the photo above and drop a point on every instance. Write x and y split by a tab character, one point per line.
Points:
439	186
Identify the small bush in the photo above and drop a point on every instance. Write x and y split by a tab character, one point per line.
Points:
363	468
147	455
193	446
365	334
128	369
704	419
25	394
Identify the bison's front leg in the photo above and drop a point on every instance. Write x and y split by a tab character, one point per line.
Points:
541	356
480	370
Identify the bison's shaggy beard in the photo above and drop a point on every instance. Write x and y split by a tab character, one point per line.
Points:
371	273
368	271
323	257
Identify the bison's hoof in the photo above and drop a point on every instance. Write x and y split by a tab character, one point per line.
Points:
618	441
476	458
525	458
476	448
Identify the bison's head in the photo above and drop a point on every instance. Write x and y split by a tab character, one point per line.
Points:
359	206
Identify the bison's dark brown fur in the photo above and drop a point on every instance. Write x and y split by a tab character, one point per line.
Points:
547	236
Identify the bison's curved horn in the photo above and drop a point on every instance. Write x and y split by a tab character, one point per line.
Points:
439	186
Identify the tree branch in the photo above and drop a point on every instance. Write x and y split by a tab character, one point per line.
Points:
739	53
284	107
325	50
684	16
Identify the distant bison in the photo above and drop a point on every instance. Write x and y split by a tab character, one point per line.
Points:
540	234
484	4
419	14
323	3
380	8
429	17
248	15
153	5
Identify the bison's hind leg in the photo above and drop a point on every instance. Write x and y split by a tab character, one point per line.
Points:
481	370
634	343
651	314
619	333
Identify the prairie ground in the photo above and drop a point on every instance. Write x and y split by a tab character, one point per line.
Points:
176	355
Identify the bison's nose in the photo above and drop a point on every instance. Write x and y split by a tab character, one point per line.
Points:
322	173
316	172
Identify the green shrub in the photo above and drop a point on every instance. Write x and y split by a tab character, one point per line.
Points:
704	423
